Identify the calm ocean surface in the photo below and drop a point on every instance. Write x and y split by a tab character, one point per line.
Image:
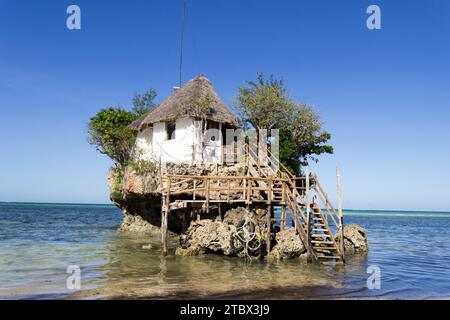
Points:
38	242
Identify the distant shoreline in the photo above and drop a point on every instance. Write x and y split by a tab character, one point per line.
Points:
352	212
56	204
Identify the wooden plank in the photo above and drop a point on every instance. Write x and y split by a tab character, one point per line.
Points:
270	195
321	196
207	195
227	178
308	208
322	241
341	218
195	187
249	191
283	218
164	219
269	227
322	235
178	205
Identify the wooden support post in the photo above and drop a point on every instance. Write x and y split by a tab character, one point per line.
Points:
195	186
244	192
269	227
164	222
308	208
164	218
341	216
283	218
249	191
207	195
270	195
247	154
220	212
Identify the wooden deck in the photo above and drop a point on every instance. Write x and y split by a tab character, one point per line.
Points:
311	211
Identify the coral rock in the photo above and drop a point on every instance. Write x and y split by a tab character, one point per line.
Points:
355	240
288	245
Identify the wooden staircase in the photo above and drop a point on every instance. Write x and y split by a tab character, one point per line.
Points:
314	231
322	240
309	220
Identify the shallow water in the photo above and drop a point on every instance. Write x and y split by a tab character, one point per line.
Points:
38	242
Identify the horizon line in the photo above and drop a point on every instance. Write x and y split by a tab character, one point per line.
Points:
113	205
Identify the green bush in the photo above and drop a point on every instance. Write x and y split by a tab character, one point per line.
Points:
143	167
109	132
117	196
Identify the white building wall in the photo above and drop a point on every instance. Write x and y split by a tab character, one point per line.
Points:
206	150
212	151
176	150
144	145
190	145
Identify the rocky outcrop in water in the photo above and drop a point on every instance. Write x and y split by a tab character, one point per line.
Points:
288	245
215	236
207	236
236	215
136	191
355	239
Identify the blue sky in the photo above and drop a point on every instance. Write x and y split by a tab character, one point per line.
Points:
383	94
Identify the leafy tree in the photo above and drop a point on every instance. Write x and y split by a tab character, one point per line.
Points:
265	104
144	102
108	131
304	138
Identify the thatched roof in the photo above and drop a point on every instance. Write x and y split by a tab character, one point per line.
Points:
136	124
197	98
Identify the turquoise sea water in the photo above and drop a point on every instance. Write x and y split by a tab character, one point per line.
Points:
39	241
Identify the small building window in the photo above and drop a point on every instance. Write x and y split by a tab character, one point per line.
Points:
214	127
170	130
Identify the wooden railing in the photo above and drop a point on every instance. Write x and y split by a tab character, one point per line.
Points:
231	154
333	215
303	188
224	188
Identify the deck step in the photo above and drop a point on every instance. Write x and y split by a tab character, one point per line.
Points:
331	263
328	257
318	230
320	241
324	250
321	235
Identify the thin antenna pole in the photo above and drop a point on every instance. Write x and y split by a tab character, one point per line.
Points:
182	40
